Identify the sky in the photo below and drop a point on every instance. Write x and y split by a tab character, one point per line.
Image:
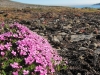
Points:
59	2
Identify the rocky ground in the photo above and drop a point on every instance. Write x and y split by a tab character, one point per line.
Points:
74	33
77	39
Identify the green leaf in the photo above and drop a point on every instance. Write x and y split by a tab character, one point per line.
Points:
64	67
18	60
3	73
58	67
31	67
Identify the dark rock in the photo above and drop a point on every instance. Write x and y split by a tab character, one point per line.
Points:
93	46
25	22
69	73
2	12
98	37
5	15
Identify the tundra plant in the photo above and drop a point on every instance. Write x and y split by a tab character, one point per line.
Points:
23	52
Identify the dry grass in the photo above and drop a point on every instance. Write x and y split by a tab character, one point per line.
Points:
27	13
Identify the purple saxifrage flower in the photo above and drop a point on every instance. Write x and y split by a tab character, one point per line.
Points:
13	52
15	73
15	65
25	72
28	52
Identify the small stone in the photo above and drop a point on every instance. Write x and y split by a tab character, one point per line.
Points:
55	39
93	46
77	21
59	37
81	57
42	34
78	73
1	12
98	44
62	33
67	27
69	73
97	51
82	31
96	31
82	48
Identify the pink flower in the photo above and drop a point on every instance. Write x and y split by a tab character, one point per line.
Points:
29	60
14	53
2	37
40	69
2	47
7	34
66	62
2	53
15	73
52	70
15	65
25	72
32	48
8	45
15	35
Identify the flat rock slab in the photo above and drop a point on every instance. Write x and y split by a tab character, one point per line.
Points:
97	51
80	37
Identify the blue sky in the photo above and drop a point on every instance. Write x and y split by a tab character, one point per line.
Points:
59	2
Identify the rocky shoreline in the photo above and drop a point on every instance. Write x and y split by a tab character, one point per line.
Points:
74	33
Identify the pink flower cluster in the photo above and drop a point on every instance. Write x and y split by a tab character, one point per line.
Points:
32	48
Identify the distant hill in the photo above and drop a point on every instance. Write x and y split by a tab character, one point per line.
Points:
12	4
97	4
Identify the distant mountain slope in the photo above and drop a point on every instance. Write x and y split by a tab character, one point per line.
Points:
12	4
97	4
